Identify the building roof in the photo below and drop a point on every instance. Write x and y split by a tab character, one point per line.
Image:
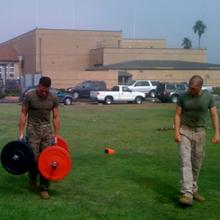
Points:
8	54
158	64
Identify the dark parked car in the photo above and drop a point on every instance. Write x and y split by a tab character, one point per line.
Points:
63	97
83	89
169	92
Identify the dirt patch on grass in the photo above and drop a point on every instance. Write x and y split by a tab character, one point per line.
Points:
102	107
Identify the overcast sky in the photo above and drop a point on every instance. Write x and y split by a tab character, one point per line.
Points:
151	19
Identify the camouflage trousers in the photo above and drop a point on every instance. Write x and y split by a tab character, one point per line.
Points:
191	151
39	137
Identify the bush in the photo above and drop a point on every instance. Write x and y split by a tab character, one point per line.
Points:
14	92
216	90
2	95
7	92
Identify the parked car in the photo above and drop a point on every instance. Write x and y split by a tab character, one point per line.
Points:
118	94
12	85
62	96
204	87
83	89
208	88
170	92
146	86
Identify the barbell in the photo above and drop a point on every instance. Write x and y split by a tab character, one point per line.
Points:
54	162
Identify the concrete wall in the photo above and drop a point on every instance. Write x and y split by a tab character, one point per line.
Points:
211	77
46	50
68	50
97	55
142	43
105	56
113	55
72	78
17	70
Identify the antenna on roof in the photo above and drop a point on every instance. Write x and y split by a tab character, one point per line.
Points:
36	13
134	23
74	17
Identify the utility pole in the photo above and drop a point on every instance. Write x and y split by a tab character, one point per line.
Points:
134	22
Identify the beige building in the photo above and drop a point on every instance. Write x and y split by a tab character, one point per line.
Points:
72	56
9	65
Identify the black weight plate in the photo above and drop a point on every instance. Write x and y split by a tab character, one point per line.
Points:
17	157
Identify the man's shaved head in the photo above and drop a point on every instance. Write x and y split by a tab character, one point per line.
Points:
196	80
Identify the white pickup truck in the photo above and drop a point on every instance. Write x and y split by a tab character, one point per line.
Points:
118	94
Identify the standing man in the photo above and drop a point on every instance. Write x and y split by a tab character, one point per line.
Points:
190	124
36	111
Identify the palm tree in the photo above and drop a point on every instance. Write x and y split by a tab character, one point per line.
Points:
199	28
187	44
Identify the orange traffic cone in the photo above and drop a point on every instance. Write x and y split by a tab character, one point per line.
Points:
109	151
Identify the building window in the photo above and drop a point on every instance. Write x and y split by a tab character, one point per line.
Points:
1	72
10	68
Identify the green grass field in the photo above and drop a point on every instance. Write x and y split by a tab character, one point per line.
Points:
140	181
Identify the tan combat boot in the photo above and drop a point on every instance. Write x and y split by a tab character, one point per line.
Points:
198	198
186	200
44	195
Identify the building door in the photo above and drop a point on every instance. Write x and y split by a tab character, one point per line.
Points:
124	77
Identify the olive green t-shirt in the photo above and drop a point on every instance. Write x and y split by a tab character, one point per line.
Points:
195	108
39	109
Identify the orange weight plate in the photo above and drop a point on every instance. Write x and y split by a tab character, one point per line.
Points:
54	163
62	143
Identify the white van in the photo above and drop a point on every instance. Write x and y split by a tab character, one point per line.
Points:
146	86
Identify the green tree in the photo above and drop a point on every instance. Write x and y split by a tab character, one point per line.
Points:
187	44
199	28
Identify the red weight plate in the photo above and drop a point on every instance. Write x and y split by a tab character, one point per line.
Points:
62	143
54	163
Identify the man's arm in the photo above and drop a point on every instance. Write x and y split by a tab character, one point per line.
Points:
215	123
177	123
56	121
22	121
